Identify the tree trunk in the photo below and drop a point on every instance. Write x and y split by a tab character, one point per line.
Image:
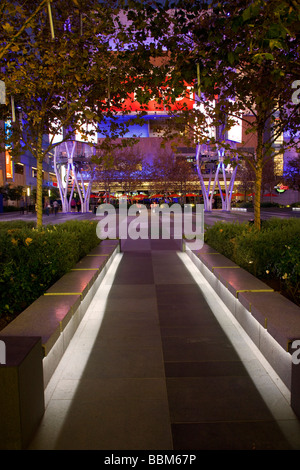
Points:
257	198
258	179
39	193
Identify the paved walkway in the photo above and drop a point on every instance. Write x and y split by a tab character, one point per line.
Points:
157	364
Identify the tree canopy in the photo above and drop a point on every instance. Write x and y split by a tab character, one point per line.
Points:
247	58
75	62
70	69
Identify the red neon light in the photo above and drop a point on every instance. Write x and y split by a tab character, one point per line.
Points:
130	104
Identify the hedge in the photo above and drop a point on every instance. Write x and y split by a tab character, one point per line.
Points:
271	254
31	260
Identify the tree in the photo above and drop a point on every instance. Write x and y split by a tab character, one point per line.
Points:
183	176
247	55
292	173
14	193
246	179
162	171
61	81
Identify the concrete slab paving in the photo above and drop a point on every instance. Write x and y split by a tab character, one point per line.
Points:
157	364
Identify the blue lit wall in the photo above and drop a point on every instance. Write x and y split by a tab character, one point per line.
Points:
133	130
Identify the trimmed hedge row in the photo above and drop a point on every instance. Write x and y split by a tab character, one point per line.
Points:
31	260
271	254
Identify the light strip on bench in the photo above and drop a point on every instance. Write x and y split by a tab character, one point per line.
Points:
253	290
225	267
64	293
99	255
85	269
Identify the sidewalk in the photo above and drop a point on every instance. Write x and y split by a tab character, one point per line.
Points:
157	364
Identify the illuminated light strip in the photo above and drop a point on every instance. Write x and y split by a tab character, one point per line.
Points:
85	269
101	296
97	255
218	307
225	267
253	290
64	293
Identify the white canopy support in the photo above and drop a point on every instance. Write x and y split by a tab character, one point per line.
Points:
208	191
71	175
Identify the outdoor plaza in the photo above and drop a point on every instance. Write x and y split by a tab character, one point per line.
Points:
158	363
149	228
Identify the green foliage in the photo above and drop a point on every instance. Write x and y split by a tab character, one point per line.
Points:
246	204
32	260
223	236
14	193
272	254
269	204
13	224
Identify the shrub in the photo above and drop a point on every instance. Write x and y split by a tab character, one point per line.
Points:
222	237
85	234
16	224
245	204
269	204
270	254
31	261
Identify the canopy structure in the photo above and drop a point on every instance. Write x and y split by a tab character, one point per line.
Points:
217	170
74	173
222	173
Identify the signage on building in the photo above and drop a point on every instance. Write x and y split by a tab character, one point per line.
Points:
235	132
9	166
281	188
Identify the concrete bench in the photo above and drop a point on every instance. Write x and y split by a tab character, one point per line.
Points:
36	340
21	391
270	319
55	316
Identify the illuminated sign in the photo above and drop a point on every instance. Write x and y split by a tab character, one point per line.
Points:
210	130
235	132
57	135
88	133
9	168
280	188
